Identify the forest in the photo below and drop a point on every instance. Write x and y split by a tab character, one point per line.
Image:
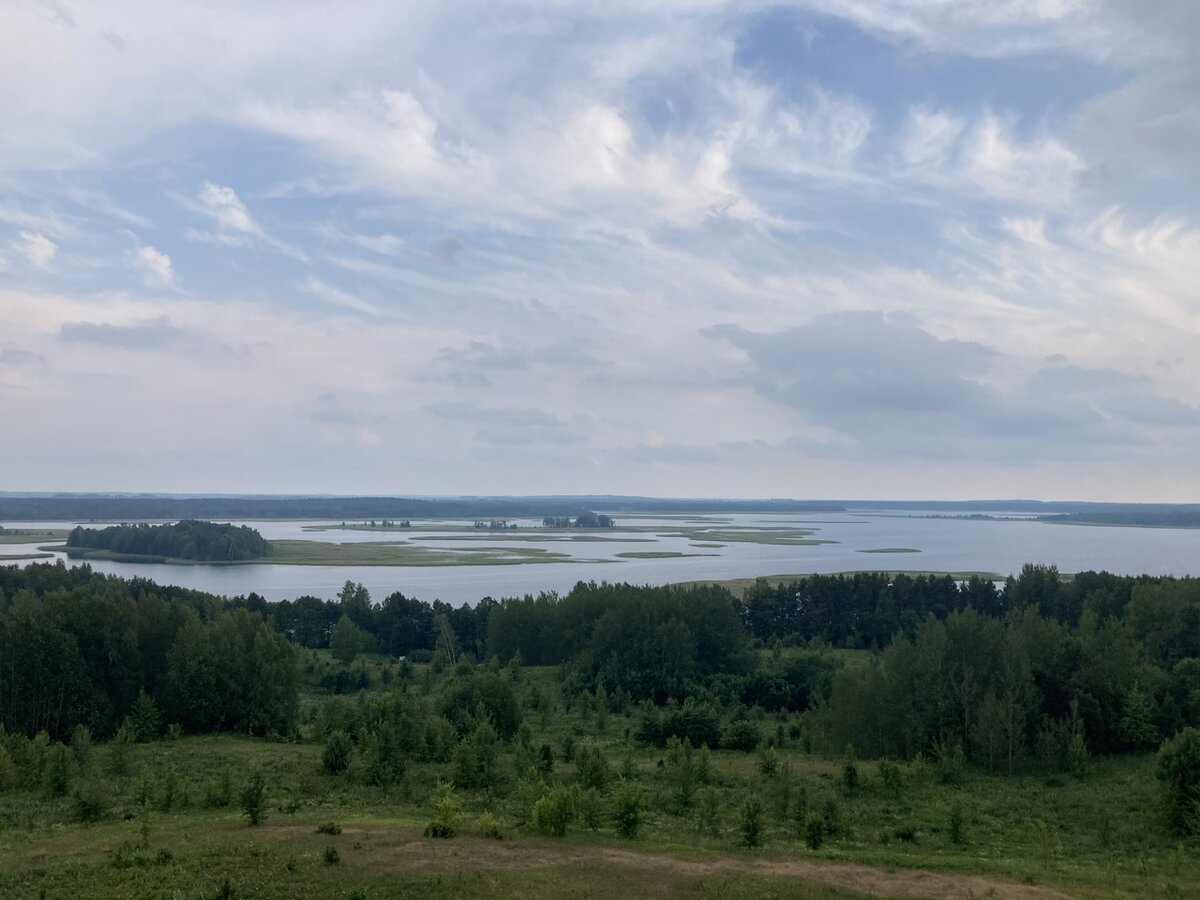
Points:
189	539
904	721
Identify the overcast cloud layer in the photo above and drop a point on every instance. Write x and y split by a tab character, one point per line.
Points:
885	248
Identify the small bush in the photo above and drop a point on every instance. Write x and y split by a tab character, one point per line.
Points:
554	812
254	798
850	771
889	773
1178	774
332	828
332	857
489	826
750	822
958	823
91	802
627	810
335	758
814	832
446	810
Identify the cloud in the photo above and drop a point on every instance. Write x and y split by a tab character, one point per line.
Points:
146	335
15	356
507	425
337	297
156	265
881	387
227	210
36	248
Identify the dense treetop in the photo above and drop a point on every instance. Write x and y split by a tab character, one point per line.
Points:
189	539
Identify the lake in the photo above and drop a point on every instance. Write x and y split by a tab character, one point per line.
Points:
1000	545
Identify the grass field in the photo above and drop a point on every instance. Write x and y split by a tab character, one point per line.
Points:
167	828
366	553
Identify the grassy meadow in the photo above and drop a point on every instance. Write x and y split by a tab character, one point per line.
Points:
165	818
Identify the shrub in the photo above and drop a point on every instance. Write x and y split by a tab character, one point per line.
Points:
750	822
254	798
889	773
332	828
446	811
591	808
768	762
554	812
332	857
740	734
335	758
59	770
592	768
850	771
627	810
489	826
1178	774
708	812
91	802
814	832
958	823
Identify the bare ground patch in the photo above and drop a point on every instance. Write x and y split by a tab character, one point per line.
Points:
474	853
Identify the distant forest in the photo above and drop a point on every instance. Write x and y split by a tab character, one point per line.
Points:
33	507
189	539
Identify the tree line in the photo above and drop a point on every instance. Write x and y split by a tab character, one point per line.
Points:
82	649
188	539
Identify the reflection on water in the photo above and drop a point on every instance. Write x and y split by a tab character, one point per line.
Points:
1001	546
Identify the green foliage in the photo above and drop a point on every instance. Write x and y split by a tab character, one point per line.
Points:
347	640
335	757
591	808
814	831
144	721
485	693
81	745
489	826
254	798
189	539
768	761
447	811
850	771
1178	772
331	856
957	824
628	808
554	811
59	771
330	828
751	822
592	768
740	734
475	757
708	812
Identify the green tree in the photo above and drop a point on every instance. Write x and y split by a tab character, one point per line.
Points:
346	640
1178	774
335	757
254	798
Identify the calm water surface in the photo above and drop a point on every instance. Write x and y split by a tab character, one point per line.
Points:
1000	546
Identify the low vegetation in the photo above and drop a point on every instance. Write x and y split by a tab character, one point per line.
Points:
615	740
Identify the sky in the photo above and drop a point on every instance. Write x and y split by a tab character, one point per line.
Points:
857	249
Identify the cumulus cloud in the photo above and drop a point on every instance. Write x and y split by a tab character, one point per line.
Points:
227	210
37	249
156	265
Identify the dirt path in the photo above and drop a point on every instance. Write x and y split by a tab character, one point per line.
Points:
881	882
